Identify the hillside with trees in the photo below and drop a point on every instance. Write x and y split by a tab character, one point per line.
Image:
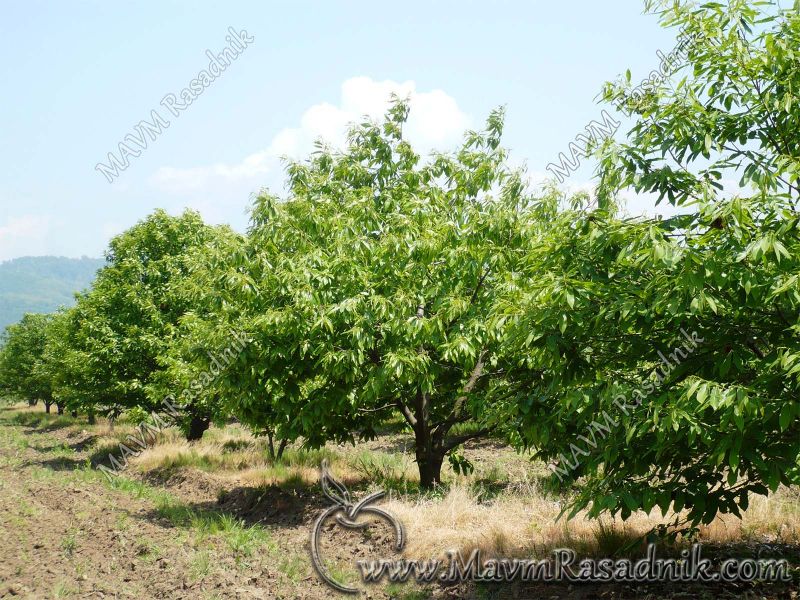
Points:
41	284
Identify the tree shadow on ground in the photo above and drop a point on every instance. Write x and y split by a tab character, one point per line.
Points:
78	446
41	422
286	505
269	507
61	463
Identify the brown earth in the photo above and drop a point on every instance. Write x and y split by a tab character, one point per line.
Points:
65	533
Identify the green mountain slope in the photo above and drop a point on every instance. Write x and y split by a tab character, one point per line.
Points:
42	284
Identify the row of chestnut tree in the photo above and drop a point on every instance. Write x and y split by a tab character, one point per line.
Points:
444	292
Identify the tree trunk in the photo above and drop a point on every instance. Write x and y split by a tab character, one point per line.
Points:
431	439
271	447
281	448
429	451
90	419
59	408
429	463
32	402
197	427
47	406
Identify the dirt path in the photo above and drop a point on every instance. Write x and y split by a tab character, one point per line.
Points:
66	532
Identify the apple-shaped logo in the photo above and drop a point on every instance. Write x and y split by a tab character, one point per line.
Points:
337	493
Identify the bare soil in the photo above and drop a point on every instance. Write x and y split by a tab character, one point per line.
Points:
66	534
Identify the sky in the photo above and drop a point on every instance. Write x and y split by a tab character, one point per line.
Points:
77	77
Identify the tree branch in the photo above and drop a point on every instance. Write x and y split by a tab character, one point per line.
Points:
407	414
452	419
374	410
458	440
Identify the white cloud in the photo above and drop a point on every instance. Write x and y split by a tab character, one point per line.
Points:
24	236
435	121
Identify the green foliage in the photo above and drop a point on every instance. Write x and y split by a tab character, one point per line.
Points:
190	363
120	330
369	291
731	113
21	369
657	359
722	421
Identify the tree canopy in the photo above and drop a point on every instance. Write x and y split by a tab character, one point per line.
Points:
124	325
621	399
21	374
369	292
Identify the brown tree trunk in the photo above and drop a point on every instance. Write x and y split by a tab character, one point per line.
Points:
281	448
197	427
428	449
47	406
59	409
271	447
431	441
430	468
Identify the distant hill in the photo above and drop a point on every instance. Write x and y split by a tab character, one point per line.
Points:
42	284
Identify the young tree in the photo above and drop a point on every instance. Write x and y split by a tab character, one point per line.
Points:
20	360
49	365
191	362
369	292
123	326
66	365
665	352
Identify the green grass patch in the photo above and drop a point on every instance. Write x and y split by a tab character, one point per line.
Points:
406	591
69	542
341	574
240	538
293	566
42	420
299	457
381	468
200	565
147	550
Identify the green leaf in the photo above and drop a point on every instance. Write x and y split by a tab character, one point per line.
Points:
785	418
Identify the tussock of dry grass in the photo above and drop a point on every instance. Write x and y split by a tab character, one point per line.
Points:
527	526
233	453
458	521
775	517
208	455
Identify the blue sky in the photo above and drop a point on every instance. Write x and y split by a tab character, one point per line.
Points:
78	76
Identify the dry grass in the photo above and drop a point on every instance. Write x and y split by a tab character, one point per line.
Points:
528	526
500	509
234	454
775	518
